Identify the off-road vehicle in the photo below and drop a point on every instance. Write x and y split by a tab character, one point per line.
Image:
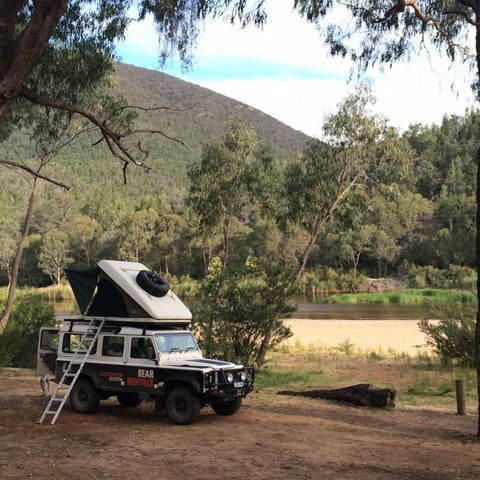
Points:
132	341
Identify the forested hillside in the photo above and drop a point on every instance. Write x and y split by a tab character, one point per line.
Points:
259	190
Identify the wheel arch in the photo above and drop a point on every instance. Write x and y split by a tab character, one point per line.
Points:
184	380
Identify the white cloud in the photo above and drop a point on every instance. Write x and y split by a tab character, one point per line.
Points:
408	93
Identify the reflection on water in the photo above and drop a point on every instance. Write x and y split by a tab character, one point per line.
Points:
358	311
65	306
320	311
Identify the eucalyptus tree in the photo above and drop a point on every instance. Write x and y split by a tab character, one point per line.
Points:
229	180
55	254
328	172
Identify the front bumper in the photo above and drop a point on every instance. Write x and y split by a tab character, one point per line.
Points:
220	390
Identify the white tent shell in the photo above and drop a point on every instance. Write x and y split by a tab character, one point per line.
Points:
124	274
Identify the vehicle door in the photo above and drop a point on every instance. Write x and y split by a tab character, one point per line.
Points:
47	351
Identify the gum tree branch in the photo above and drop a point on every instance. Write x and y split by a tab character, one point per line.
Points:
401	5
35	174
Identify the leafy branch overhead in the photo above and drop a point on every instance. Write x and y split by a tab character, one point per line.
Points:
55	54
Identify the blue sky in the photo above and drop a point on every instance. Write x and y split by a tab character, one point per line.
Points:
284	70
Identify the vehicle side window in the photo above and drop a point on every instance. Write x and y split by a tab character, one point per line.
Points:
113	346
71	341
141	347
49	340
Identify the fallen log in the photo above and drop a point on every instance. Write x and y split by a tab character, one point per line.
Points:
363	394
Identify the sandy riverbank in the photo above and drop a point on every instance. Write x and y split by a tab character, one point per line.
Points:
378	335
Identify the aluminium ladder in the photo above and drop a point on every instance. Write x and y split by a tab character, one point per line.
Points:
73	370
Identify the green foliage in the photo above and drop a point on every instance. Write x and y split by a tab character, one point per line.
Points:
329	280
423	215
346	347
390	31
230	180
456	276
54	254
235	310
428	295
18	343
453	336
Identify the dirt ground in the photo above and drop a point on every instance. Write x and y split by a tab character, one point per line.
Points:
272	437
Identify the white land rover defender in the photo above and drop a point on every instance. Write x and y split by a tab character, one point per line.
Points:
132	342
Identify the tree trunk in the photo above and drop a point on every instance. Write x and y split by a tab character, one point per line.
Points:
59	275
262	351
363	394
477	264
18	55
305	256
18	255
226	241
477	237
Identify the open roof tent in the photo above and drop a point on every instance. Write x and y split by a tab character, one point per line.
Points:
111	290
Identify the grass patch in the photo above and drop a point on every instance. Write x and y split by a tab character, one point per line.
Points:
406	297
420	380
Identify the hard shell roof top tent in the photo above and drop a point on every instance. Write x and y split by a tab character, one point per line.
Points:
111	290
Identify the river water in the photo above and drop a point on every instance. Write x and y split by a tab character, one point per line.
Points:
359	311
387	329
383	328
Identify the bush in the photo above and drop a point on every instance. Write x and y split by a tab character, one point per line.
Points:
18	343
236	310
455	276
453	335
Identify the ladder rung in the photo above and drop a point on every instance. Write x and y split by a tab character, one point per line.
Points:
83	351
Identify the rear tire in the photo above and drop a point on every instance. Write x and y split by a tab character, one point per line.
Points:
228	408
182	406
128	399
84	397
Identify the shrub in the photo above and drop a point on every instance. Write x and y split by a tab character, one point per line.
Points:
455	276
235	311
453	335
18	343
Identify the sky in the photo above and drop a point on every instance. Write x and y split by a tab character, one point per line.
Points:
284	70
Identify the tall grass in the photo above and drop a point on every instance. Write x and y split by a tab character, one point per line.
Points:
52	293
55	293
406	297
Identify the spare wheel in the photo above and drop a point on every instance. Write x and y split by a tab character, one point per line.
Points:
152	283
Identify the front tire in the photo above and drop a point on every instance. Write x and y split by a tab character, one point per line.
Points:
129	400
84	397
228	408
182	406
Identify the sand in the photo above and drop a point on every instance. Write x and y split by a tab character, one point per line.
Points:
379	335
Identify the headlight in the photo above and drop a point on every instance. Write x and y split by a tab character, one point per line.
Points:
243	376
229	377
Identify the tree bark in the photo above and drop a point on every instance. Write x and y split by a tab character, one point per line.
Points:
17	58
363	394
226	240
477	237
18	256
477	263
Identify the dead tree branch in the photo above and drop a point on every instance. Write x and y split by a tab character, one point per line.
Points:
33	172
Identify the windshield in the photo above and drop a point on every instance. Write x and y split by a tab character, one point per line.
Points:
176	342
